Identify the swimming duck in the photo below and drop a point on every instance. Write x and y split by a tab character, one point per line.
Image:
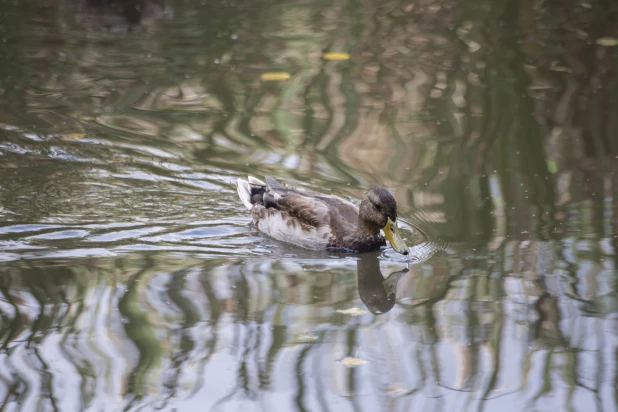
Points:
318	221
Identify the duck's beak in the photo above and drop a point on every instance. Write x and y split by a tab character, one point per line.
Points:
392	234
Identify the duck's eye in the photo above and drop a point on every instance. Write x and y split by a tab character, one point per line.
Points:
377	206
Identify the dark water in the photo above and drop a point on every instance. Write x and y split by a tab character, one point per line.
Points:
131	278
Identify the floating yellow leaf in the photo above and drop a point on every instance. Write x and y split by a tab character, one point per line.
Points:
607	41
352	311
352	362
336	56
72	136
274	76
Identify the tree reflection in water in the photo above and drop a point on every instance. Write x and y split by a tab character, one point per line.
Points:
160	330
130	278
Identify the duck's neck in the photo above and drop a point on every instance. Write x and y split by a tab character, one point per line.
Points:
367	229
365	238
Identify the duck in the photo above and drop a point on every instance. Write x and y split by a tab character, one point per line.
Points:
321	221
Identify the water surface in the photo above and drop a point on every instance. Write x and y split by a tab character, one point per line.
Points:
132	279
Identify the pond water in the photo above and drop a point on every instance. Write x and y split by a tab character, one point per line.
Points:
131	277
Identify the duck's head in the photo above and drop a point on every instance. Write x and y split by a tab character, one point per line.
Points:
378	210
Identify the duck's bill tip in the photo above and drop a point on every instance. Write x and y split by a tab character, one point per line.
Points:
392	235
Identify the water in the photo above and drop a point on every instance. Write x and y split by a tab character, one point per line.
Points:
131	278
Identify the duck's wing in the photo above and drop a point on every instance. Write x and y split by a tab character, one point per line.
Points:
307	220
300	208
290	217
343	210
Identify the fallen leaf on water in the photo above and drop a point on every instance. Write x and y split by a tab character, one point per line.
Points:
396	388
557	68
352	362
473	46
72	136
274	76
352	311
607	41
308	337
336	56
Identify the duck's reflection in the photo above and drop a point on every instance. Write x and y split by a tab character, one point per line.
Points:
377	292
547	332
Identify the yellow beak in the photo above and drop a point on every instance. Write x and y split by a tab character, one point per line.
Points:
392	235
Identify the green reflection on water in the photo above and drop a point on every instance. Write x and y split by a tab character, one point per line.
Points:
171	329
130	277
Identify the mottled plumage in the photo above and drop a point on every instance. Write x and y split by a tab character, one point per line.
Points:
319	221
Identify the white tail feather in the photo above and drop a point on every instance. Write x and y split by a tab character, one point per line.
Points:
244	192
255	181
